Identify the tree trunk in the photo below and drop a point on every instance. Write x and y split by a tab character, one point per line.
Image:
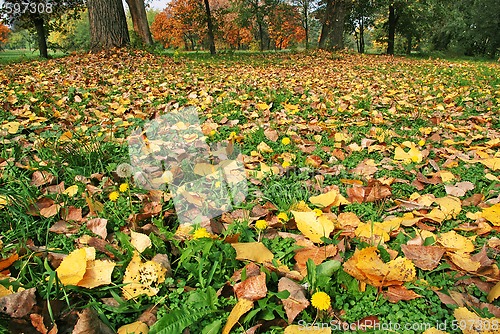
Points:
42	38
140	20
306	22
108	25
408	44
337	34
326	24
261	35
362	36
392	29
211	39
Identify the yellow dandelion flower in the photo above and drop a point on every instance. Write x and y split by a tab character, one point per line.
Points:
123	187
285	164
113	196
318	212
286	141
212	133
261	224
282	217
421	142
201	233
320	300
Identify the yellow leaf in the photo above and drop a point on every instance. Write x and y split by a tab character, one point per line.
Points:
12	99
264	148
382	230
366	266
464	262
412	155
450	206
470	323
139	241
241	307
494	292
331	198
454	242
204	169
71	191
4	291
492	214
137	327
263	106
4	200
312	226
73	267
11	127
297	329
252	251
142	278
491	163
98	273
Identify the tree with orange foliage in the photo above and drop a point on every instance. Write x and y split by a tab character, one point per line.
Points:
4	34
180	24
232	33
285	26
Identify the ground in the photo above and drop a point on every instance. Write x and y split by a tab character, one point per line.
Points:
371	191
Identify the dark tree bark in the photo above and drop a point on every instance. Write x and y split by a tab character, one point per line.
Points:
337	34
392	29
108	25
362	36
326	24
211	39
409	39
140	20
41	35
306	22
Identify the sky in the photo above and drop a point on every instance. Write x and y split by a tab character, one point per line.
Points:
158	4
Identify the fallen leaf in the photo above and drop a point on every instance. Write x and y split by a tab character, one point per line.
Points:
137	327
492	214
98	226
140	241
241	307
459	189
271	134
264	148
142	278
19	304
470	323
366	266
39	178
89	323
424	257
71	191
73	267
252	251
312	226
98	273
6	263
297	301
454	242
330	198
494	292
398	293
450	206
315	253
252	288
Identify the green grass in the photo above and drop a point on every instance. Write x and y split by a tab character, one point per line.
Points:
15	56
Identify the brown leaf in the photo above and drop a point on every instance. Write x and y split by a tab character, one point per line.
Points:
89	323
253	288
424	257
315	253
459	189
72	213
435	179
98	226
40	178
18	305
271	134
313	161
374	191
474	200
6	263
63	227
297	301
445	299
37	322
397	293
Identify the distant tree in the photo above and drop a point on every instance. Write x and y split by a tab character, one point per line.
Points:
305	8
108	24
233	33
285	26
4	35
41	15
361	18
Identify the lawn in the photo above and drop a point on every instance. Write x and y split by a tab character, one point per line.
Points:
350	192
12	56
